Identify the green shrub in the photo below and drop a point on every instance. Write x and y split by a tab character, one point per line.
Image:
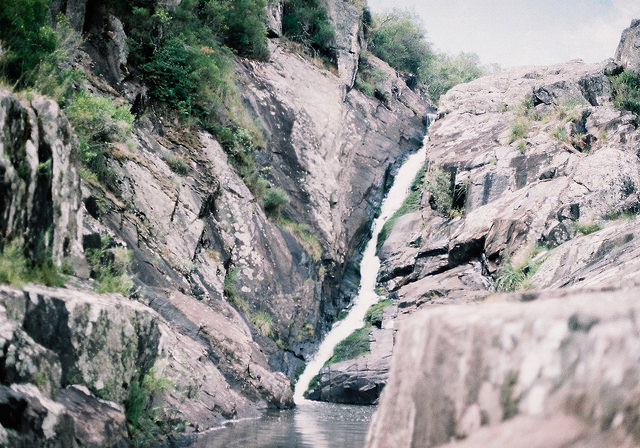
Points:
516	276
519	130
306	22
439	185
16	269
145	423
110	267
305	236
98	123
274	201
375	313
399	39
626	91
587	229
263	323
356	344
177	165
411	204
26	37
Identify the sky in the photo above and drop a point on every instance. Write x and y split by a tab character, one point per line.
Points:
522	32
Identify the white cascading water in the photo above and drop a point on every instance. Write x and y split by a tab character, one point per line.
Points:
369	268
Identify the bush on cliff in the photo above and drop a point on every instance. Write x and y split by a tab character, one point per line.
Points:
626	91
398	38
306	22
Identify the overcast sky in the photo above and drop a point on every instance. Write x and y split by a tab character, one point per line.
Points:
522	32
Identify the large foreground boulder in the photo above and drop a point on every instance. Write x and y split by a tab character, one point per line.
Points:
459	368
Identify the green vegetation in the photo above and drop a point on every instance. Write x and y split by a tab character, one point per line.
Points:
399	39
626	91
306	22
26	38
263	323
516	276
519	130
274	201
98	123
375	313
613	215
439	185
145	424
109	267
230	291
313	384
368	77
305	236
177	164
411	204
356	344
586	229
16	269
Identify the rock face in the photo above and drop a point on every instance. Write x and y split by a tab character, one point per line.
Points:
362	381
539	169
227	303
39	181
628	52
458	368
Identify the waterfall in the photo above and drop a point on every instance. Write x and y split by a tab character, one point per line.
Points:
369	268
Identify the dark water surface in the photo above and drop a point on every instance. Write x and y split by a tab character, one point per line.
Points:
310	425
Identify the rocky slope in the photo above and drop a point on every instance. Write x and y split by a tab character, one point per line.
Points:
544	173
541	173
233	301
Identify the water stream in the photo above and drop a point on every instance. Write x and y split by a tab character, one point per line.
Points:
325	425
369	268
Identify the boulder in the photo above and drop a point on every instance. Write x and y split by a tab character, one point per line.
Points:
458	368
628	51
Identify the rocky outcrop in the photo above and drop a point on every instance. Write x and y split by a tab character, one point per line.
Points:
459	368
39	180
628	51
346	20
360	381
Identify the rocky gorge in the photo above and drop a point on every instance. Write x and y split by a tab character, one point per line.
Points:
530	186
510	280
225	302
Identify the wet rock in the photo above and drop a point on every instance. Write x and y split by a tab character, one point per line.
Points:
360	380
628	51
513	359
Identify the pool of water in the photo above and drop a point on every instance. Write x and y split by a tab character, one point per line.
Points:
309	425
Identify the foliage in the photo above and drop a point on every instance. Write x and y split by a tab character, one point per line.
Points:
354	345
176	164
231	292
447	71
515	276
263	323
305	236
587	229
313	384
144	421
274	201
306	22
439	185
399	39
26	37
368	77
375	313
519	130
110	267
98	123
626	91
411	204
16	269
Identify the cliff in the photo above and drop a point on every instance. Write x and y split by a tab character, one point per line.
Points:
227	301
516	281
